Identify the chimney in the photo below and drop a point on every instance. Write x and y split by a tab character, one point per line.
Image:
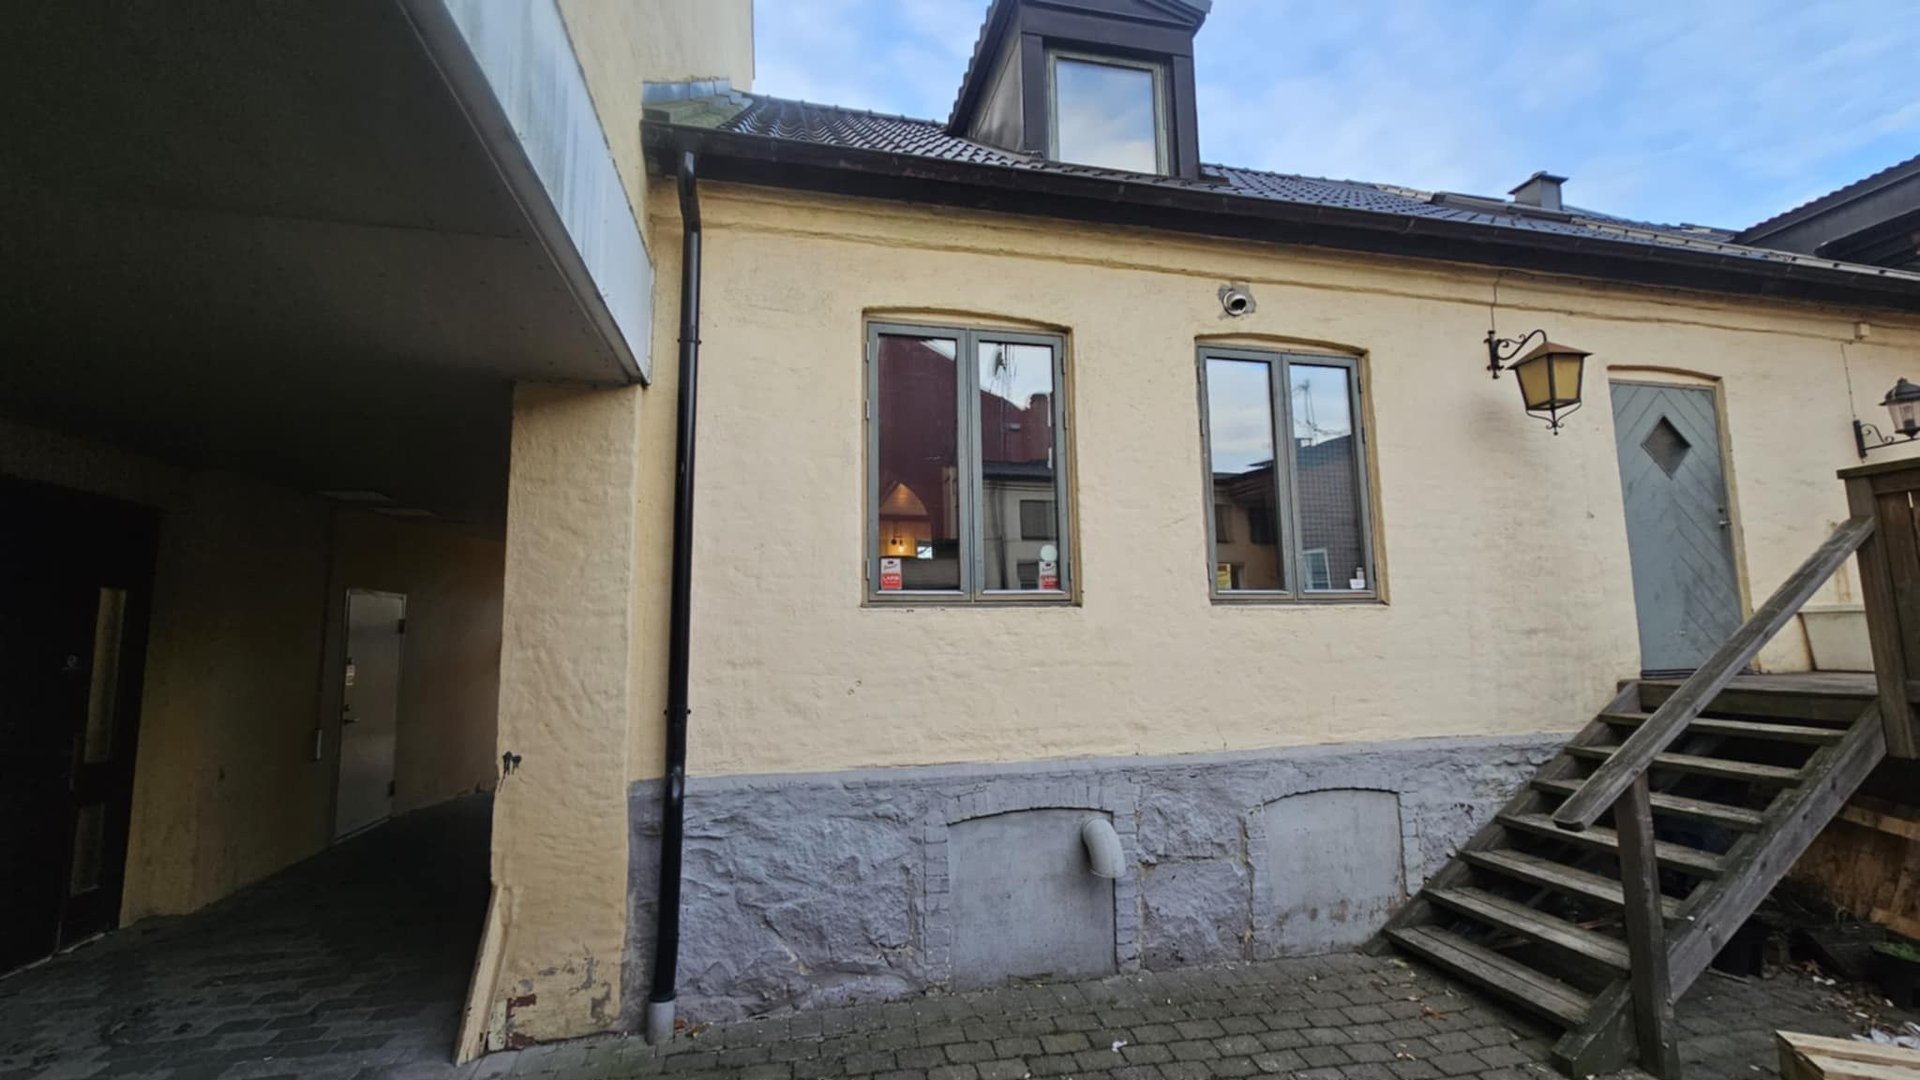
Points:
1542	189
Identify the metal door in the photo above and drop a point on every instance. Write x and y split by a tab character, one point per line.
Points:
74	586
369	709
1685	588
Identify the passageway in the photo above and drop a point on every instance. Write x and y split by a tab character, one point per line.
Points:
352	963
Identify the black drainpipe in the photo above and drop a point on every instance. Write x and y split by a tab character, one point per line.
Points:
666	932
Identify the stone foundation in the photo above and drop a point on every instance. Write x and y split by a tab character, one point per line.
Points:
808	890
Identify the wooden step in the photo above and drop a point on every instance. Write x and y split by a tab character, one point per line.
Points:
1739	729
1499	974
1763	697
1673	856
1702	766
1732	817
1545	872
1515	917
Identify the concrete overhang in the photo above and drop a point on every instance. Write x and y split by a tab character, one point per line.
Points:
315	239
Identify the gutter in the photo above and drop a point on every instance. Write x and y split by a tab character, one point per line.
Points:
666	929
1194	207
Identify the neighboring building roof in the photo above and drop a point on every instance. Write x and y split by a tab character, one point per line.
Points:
796	143
1867	185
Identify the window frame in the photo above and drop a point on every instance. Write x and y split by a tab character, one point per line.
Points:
1286	494
968	458
1162	129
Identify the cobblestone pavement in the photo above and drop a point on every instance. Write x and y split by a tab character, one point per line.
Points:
1343	1017
351	964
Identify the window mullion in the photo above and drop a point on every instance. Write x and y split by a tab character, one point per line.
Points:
972	560
1281	378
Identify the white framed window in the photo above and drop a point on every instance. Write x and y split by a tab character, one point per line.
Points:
1107	111
967	465
1285	453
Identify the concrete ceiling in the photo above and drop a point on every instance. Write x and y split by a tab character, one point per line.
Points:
266	236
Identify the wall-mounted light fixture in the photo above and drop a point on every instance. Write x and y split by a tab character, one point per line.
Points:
1549	375
1903	407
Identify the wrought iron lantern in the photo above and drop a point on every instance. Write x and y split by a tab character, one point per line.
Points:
1549	375
1903	408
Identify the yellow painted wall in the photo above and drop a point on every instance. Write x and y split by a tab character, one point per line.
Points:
622	44
1504	548
560	824
584	619
225	788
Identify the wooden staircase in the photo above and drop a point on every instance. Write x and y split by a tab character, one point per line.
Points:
1535	913
1607	885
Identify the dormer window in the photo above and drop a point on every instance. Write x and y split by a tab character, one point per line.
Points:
1102	83
1108	112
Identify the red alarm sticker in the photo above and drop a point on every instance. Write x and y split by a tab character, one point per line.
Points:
890	575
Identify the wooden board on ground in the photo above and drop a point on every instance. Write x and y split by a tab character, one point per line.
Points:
1816	1057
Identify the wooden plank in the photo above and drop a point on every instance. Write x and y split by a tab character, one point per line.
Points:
1812	1057
1616	774
1418	910
1762	696
1646	934
1733	817
1535	870
1502	975
1739	729
1690	763
1674	856
1792	822
1498	911
1890	662
1905	828
1849	1049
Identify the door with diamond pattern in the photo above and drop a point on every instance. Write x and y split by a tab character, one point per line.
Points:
1685	587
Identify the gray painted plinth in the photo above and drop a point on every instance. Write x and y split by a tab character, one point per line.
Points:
815	889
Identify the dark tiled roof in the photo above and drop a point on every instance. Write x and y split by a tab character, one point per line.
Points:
1834	198
827	125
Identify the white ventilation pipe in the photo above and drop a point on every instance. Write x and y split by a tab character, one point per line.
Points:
1104	855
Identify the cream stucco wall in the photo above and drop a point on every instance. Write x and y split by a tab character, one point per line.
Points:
623	44
1504	548
226	790
555	943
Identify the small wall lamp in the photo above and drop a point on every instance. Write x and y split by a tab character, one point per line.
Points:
1549	375
1903	407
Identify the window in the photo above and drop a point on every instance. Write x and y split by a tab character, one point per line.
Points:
1284	458
967	476
1037	520
1108	112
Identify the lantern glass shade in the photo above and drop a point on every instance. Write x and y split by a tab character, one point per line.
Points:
1903	405
1549	377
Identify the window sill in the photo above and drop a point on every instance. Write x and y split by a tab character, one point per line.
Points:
938	600
1367	599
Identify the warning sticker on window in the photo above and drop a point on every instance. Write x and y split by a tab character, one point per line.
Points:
890	575
1049	574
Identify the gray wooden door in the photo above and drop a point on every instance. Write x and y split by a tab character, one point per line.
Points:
1685	587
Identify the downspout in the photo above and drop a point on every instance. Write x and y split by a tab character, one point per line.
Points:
666	930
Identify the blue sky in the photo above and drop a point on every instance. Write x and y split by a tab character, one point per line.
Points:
1719	112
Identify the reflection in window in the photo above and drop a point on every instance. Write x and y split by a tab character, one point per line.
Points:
1016	461
1107	115
1326	477
916	416
1240	444
969	489
1304	495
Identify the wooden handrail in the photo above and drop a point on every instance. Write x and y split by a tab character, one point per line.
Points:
1630	761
